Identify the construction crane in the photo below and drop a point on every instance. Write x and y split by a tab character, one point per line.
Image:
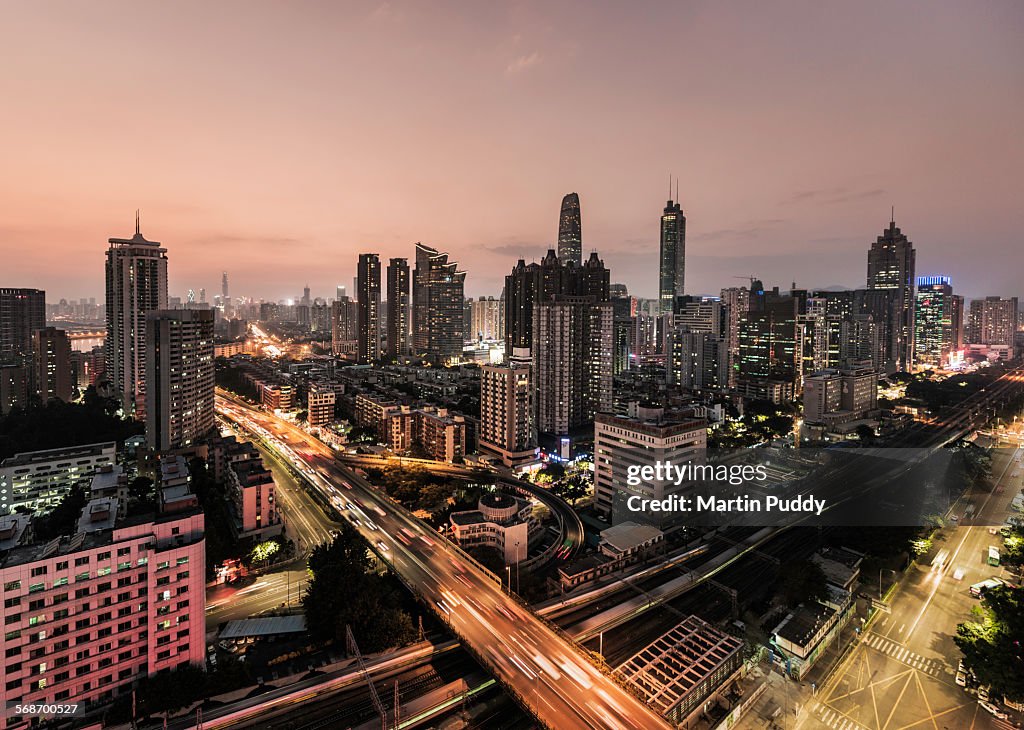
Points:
353	648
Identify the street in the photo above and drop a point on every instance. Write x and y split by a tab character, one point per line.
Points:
902	673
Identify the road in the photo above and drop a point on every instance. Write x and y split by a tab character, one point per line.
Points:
559	685
902	672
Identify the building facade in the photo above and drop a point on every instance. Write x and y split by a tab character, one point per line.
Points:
506	414
89	615
180	377
938	321
437	318
672	260
399	305
51	351
368	308
570	231
622	443
136	278
39	480
891	267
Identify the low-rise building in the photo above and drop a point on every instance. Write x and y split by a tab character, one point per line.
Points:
441	435
806	632
39	480
685	669
500	521
254	496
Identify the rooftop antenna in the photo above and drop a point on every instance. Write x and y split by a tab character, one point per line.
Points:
892	215
137	222
670	186
677	189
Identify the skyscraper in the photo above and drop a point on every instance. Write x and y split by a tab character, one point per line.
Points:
938	320
573	355
891	263
179	377
672	266
398	308
368	300
22	312
570	231
437	315
136	272
52	353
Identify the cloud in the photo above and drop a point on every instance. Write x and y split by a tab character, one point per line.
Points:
831	196
523	63
752	229
529	250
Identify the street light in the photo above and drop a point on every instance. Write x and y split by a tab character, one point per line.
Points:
880	571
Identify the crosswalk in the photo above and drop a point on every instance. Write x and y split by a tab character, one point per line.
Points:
836	720
902	654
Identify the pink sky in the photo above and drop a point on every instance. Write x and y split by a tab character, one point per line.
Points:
278	141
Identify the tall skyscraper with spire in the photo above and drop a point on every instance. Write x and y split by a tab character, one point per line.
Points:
397	330
570	231
891	265
672	263
136	273
368	301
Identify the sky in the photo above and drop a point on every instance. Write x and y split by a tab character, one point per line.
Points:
277	141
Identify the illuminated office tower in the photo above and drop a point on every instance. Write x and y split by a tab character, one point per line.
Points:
672	262
368	301
891	263
570	231
938	321
438	317
399	303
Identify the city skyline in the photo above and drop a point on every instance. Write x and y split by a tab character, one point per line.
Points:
270	177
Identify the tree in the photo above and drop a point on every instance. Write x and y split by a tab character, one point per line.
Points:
1013	545
992	645
800	582
865	433
342	592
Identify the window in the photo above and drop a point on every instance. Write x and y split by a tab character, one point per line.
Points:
183	560
62	565
103	571
12	602
121	552
79	562
13	585
36	604
12	618
82	576
63	581
38	571
36	587
103	556
124	566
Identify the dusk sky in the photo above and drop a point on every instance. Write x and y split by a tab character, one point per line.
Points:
278	141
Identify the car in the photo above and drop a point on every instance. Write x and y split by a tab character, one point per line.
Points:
961	679
958	574
382	546
983	695
993	710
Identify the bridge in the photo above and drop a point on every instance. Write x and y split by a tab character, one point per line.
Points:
550	675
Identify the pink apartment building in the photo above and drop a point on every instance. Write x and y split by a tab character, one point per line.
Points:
86	616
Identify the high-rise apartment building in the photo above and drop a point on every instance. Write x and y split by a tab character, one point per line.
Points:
536	282
938	321
506	414
486	315
52	364
891	265
437	315
992	321
368	301
399	304
648	439
344	327
572	362
22	312
136	273
768	365
735	301
179	377
672	261
570	231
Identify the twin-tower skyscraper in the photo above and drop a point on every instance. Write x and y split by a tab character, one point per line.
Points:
672	256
